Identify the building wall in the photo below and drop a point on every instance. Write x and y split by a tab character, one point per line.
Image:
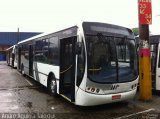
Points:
11	38
4	47
8	39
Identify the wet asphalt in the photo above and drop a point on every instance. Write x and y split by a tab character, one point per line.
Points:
22	97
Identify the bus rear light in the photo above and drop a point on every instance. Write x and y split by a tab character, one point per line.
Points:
116	97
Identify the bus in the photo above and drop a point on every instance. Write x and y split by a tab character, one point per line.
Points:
88	64
11	56
155	62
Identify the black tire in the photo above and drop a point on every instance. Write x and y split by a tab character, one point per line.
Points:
52	86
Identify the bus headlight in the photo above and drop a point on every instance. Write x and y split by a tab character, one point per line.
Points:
92	90
97	91
133	86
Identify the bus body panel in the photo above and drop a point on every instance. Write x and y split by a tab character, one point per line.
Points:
15	64
125	90
111	88
25	64
82	37
158	70
155	62
41	72
87	99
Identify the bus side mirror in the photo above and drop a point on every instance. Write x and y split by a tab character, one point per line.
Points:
78	48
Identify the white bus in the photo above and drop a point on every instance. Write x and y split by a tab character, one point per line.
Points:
155	62
11	56
88	64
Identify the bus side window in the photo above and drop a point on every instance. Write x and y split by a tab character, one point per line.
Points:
41	51
25	51
153	51
53	50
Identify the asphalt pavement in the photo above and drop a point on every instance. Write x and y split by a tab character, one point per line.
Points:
23	98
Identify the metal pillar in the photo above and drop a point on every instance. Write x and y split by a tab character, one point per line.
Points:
145	81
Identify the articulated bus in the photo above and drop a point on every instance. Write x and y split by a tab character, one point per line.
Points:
11	56
88	64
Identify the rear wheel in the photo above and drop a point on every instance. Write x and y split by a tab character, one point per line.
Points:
53	86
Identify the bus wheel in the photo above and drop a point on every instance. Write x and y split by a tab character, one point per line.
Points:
53	86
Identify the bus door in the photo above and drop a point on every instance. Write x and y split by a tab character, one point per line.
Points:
157	81
154	49
67	68
19	58
31	60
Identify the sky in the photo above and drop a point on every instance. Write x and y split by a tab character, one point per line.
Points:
49	15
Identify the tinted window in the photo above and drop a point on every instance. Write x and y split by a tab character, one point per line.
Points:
111	59
25	51
47	51
41	51
53	51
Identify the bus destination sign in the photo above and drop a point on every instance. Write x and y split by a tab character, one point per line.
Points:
145	11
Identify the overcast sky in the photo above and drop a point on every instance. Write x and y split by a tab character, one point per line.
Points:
48	15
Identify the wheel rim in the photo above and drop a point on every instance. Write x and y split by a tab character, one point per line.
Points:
53	86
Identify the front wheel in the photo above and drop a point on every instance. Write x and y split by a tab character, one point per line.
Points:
53	86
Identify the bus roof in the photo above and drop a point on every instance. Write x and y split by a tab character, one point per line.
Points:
108	29
37	36
115	29
44	34
154	39
13	46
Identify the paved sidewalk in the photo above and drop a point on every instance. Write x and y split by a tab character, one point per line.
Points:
10	78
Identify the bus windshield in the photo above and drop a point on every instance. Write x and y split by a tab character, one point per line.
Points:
111	59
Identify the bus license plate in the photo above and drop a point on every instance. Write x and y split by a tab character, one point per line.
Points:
116	97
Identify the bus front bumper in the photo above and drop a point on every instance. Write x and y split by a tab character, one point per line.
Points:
88	99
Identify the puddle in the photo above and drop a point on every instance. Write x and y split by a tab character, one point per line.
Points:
29	104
